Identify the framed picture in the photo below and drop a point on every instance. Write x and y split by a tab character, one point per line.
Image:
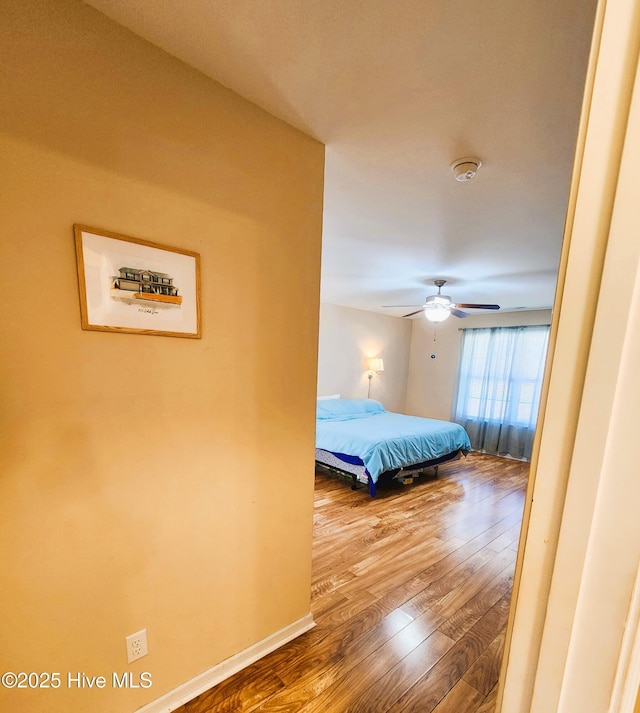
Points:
136	286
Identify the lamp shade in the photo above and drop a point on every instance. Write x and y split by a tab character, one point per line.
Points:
438	313
375	364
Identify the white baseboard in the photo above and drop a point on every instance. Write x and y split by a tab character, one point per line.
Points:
203	682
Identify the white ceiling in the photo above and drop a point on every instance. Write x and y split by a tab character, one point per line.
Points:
398	89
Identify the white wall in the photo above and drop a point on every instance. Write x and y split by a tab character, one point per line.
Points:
431	381
348	337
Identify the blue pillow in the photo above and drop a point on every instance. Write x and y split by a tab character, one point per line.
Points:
346	409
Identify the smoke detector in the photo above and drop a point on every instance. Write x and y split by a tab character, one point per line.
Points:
464	169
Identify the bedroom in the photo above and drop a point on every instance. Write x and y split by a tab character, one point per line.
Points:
419	378
98	553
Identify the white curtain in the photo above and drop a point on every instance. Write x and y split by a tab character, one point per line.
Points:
499	381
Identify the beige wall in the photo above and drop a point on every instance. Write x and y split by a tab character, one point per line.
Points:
432	382
188	511
347	338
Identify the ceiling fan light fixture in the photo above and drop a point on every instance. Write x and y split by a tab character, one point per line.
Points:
465	169
437	313
439	300
438	307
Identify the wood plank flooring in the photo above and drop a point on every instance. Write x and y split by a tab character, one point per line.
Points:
410	595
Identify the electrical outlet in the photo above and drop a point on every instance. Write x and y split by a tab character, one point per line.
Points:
136	645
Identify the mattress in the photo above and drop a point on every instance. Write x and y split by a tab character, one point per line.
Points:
363	432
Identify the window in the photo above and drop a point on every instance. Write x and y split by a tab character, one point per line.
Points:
499	380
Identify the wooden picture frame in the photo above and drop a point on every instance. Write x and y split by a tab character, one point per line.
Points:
136	286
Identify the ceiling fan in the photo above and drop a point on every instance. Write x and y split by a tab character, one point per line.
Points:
438	307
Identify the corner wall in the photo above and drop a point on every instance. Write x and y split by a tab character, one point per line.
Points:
148	482
348	337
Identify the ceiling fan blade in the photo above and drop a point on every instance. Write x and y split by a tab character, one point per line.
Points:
457	312
393	306
412	313
468	306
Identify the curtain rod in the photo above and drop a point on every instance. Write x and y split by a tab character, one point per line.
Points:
514	326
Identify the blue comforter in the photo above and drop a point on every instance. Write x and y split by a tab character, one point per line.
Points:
381	439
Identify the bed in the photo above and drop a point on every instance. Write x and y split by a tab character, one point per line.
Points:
360	438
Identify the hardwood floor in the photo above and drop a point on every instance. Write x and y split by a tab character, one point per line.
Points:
410	595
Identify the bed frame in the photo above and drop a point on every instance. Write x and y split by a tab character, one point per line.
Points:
358	474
